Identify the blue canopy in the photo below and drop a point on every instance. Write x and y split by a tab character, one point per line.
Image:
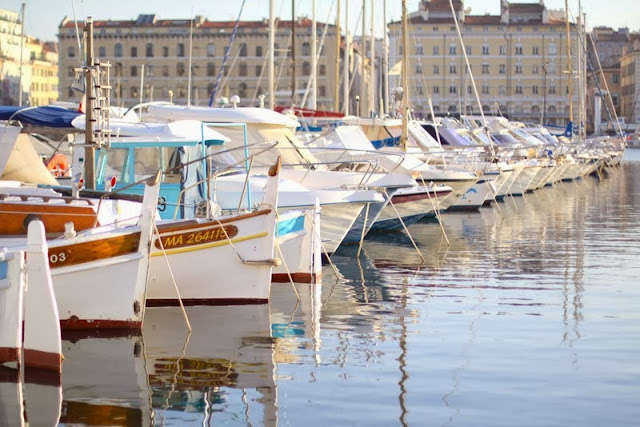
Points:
49	116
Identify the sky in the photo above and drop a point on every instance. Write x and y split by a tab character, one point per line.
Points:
44	16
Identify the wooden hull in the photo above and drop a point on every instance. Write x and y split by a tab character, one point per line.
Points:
16	217
100	281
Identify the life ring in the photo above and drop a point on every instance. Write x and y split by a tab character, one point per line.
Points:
59	165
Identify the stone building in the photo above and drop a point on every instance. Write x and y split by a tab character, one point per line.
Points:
630	81
518	60
155	54
25	62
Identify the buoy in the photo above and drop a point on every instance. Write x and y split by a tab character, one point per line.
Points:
59	165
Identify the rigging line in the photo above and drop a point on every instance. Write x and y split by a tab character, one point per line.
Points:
226	55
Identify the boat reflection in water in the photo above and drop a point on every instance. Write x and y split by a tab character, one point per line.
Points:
222	371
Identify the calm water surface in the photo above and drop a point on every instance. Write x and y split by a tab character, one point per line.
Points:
528	317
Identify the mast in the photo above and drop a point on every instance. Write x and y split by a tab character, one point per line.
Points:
363	49
24	5
347	47
272	43
569	65
89	143
337	73
314	58
372	62
385	59
293	53
405	80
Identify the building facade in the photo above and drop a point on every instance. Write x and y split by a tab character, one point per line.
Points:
150	59
25	63
518	60
630	82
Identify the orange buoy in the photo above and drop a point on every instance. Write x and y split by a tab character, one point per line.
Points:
59	165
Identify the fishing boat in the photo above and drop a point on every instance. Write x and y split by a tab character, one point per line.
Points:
99	275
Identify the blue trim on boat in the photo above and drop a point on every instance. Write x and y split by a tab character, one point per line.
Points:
289	226
4	267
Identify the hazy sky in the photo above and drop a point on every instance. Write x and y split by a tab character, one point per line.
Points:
44	16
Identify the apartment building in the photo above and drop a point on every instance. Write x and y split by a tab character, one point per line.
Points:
518	60
630	81
27	63
150	59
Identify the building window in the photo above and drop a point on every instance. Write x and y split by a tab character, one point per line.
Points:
453	89
180	68
72	72
553	50
436	89
242	90
452	108
242	70
452	69
419	50
211	69
436	50
322	90
518	50
485	89
485	49
165	71
436	69
71	52
501	90
615	78
469	89
258	50
419	90
211	49
485	68
276	49
418	69
468	49
148	70
534	69
322	70
134	51
134	71
258	70
552	90
503	50
102	52
452	49
243	49
165	51
518	69
502	68
534	90
117	50
134	92
518	90
149	50
535	50
180	49
306	68
436	29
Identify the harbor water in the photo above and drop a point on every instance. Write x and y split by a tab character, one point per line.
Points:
528	316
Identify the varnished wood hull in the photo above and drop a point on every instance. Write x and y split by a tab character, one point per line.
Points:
16	217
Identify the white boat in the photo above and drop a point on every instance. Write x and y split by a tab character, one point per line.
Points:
100	274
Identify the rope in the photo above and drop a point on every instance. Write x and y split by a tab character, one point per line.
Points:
436	209
173	279
403	225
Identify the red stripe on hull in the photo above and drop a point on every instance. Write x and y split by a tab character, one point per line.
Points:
398	199
9	354
204	301
99	324
296	277
43	377
42	360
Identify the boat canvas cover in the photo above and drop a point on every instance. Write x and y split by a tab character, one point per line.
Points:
48	116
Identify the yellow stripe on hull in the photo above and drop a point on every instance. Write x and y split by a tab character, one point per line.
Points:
209	245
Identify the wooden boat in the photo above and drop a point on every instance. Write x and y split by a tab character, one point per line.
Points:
100	274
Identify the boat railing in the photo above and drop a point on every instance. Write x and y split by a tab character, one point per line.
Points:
229	169
376	153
